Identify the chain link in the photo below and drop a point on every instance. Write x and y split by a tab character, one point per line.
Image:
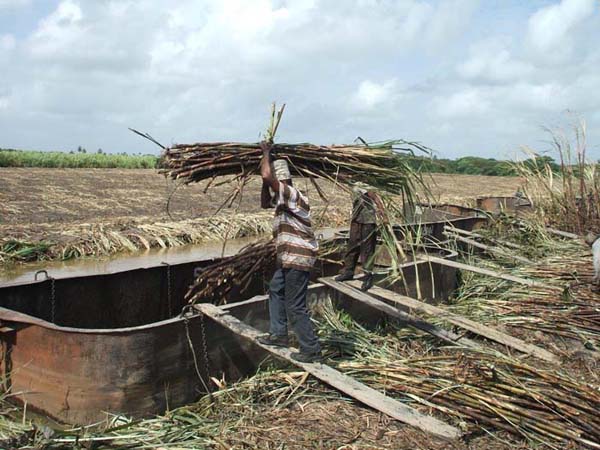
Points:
6	351
52	292
169	304
169	290
204	346
53	300
191	345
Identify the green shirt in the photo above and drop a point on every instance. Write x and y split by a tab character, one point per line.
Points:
363	209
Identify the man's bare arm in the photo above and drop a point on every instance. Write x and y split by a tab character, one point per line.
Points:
265	196
265	168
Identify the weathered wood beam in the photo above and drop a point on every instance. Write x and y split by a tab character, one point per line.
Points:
463	322
487	248
480	236
564	234
338	380
413	321
480	270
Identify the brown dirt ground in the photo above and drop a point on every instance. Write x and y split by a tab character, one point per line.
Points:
342	425
71	196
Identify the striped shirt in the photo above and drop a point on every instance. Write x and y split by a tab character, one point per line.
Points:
294	238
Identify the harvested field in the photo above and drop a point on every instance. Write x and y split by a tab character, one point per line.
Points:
464	189
71	196
67	213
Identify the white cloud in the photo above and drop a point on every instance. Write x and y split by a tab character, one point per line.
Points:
370	94
467	102
59	31
448	73
448	21
550	28
538	97
492	61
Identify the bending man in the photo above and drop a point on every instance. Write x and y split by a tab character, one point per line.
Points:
296	254
366	205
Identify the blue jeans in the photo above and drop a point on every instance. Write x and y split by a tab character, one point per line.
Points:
287	298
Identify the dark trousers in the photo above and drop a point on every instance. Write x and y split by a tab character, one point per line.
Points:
287	298
362	242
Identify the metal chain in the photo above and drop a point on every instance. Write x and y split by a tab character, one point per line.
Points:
6	351
169	305
191	345
53	299
169	290
52	292
204	346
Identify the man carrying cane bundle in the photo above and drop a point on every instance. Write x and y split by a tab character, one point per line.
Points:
366	206
296	254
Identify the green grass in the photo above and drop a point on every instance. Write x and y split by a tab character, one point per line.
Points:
27	158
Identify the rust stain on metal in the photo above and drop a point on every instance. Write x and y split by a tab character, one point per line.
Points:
496	205
114	348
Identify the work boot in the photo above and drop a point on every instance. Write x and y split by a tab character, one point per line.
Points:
274	340
307	357
344	276
367	282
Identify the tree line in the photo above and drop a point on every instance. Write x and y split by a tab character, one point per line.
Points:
81	158
474	165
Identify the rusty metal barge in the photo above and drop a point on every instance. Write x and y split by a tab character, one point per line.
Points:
78	347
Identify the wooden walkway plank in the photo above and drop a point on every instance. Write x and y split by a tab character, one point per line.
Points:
338	380
491	273
392	311
480	236
564	234
463	322
487	248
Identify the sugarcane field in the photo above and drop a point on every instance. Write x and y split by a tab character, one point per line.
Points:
307	225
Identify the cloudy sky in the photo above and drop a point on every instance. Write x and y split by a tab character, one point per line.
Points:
465	77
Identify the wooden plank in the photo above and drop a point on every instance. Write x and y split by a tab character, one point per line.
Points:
463	322
338	380
409	319
488	248
564	234
255	299
482	271
263	297
480	236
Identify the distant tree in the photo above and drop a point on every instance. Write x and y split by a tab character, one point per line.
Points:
99	151
539	162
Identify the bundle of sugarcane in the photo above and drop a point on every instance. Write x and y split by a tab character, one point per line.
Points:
492	392
235	273
216	281
480	387
378	164
563	310
547	314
